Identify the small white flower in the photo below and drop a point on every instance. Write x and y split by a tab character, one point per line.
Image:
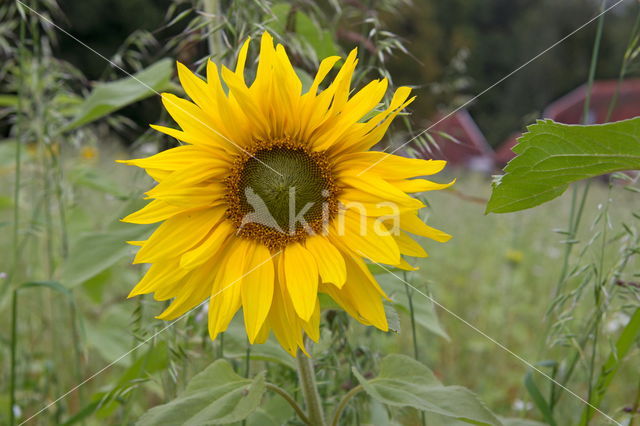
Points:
618	321
520	405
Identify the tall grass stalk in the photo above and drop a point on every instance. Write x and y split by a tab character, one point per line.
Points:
14	343
630	55
16	226
577	208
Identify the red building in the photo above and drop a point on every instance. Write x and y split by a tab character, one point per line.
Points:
459	141
569	109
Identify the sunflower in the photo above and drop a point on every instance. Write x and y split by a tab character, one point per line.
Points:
275	197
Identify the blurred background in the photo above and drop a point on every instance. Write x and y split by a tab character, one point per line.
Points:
451	50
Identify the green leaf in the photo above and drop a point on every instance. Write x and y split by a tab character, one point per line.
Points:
273	412
8	101
321	41
612	365
393	319
217	395
109	97
96	251
424	309
404	382
424	313
511	421
52	285
93	178
537	397
155	359
551	155
279	17
106	335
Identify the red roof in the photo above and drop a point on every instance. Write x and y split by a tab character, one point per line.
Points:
569	109
504	153
458	140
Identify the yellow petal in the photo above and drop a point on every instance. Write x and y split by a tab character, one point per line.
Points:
194	120
360	235
284	322
155	211
242	58
375	188
359	298
209	247
159	274
257	290
178	234
312	327
195	87
225	296
325	66
197	287
359	105
170	159
404	265
190	196
301	273
409	246
388	165
412	223
419	185
330	262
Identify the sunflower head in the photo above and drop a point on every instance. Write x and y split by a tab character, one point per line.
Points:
275	197
281	192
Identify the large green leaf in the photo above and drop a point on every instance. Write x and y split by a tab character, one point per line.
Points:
551	155
217	395
96	251
109	97
404	382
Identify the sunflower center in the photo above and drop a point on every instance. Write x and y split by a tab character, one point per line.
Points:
281	192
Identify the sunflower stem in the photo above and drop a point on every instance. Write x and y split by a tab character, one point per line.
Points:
307	377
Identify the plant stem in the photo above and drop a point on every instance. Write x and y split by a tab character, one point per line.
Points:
343	404
221	346
631	45
575	216
409	292
307	377
594	62
414	335
212	8
14	343
247	366
284	394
